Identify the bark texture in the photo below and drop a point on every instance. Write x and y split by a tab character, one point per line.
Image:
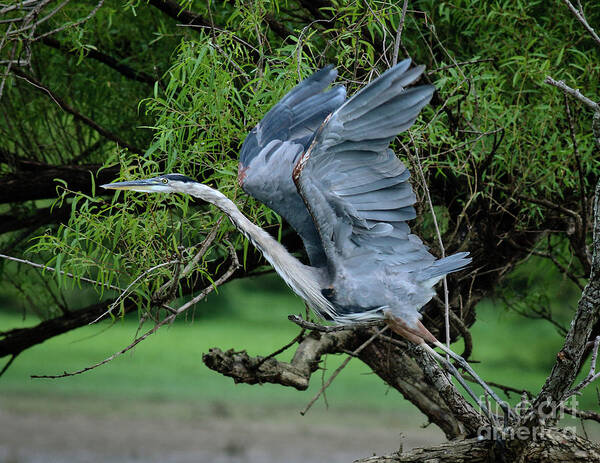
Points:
549	446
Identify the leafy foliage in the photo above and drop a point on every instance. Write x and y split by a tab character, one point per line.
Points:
493	146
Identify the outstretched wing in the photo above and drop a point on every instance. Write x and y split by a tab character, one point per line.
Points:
273	147
356	189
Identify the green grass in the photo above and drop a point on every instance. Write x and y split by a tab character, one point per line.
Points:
168	365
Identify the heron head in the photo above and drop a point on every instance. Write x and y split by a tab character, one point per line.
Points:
168	183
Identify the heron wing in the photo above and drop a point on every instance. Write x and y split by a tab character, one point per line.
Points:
272	148
354	186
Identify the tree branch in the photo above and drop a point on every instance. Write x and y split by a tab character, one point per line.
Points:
572	92
548	445
569	358
252	370
341	367
41	184
583	414
168	319
581	18
12	222
277	27
15	341
111	62
392	364
76	114
471	450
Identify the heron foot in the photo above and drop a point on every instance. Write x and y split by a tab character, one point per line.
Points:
454	372
507	412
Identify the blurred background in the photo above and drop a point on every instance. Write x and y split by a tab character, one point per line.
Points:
160	403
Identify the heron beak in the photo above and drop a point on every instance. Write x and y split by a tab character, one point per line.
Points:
150	185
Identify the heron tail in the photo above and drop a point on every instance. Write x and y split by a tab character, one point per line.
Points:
442	267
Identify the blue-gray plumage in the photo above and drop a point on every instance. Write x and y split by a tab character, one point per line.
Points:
273	147
326	167
324	164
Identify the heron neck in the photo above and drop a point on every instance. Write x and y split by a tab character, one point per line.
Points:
273	251
300	278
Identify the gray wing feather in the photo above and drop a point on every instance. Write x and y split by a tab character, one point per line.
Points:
271	149
297	115
357	190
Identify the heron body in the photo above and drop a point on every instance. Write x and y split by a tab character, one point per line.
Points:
323	163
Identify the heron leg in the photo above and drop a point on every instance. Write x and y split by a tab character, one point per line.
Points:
401	328
464	364
419	333
454	372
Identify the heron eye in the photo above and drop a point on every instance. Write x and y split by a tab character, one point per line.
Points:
165	181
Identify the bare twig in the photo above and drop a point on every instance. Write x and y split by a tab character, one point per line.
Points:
76	114
462	63
592	375
8	364
110	61
460	146
299	43
581	18
582	194
459	324
572	92
399	33
442	249
466	334
329	329
562	268
503	387
76	23
540	201
67	274
8	67
583	414
42	20
208	241
126	290
596	128
168	319
224	31
384	29
539	314
18	5
281	349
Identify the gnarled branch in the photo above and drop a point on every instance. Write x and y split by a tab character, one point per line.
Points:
569	358
252	370
394	362
549	445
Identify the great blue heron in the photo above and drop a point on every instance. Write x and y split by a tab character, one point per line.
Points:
324	164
